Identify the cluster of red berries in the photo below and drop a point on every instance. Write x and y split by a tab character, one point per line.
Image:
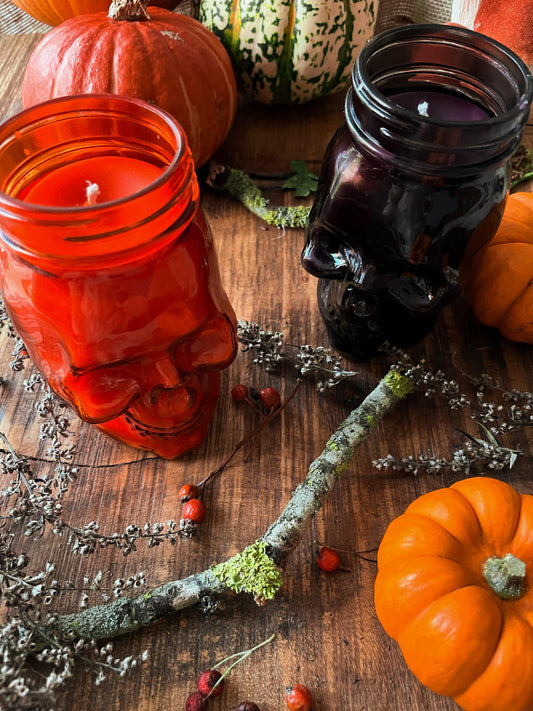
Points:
210	684
298	698
267	400
328	559
193	507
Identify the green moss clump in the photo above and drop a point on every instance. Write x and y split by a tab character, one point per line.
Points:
398	383
250	571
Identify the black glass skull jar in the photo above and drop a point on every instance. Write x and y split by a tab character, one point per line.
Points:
419	168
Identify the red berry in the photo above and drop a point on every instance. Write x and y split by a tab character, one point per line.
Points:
328	559
188	491
270	398
239	392
195	510
196	702
298	698
247	706
207	680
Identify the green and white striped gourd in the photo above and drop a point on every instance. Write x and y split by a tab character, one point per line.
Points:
290	51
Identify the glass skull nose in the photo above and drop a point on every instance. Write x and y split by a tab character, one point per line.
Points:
418	169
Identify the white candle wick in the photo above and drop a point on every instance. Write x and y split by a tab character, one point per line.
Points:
92	191
423	107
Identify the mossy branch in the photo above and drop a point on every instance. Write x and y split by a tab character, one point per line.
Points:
239	185
257	569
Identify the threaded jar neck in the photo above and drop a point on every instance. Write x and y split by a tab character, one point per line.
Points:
426	60
58	133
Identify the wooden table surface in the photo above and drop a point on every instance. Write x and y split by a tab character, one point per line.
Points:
327	633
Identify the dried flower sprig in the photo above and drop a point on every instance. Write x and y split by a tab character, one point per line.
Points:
474	451
21	686
515	410
38	501
494	419
521	165
271	351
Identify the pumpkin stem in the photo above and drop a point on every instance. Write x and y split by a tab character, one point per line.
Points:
128	10
506	576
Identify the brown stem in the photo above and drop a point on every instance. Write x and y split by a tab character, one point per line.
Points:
132	10
251	435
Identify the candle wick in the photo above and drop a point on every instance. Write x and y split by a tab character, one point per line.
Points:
92	192
423	107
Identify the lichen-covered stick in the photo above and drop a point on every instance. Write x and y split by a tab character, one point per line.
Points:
239	185
257	569
285	533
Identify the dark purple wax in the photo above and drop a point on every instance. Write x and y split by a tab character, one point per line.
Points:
439	106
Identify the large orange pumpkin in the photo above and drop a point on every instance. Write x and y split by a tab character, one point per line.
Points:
498	276
454	589
54	12
165	58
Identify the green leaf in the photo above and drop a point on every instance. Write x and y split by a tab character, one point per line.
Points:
302	181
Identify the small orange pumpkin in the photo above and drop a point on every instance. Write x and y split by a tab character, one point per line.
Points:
498	276
454	589
165	58
54	12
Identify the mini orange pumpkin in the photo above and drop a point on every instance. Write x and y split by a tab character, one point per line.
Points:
454	590
162	57
498	277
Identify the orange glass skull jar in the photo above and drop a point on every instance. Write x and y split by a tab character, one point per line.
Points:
108	268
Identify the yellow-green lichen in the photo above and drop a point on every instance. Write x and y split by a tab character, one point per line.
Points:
342	468
296	216
370	420
250	571
398	383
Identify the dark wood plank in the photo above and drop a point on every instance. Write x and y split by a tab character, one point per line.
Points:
327	633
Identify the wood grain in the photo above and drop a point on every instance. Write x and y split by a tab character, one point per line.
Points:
327	633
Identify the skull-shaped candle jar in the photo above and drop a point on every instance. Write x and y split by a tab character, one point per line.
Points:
109	272
418	170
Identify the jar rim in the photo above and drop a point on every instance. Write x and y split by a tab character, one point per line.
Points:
421	58
63	107
435	31
117	227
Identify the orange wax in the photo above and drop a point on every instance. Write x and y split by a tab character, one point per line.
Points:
113	177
